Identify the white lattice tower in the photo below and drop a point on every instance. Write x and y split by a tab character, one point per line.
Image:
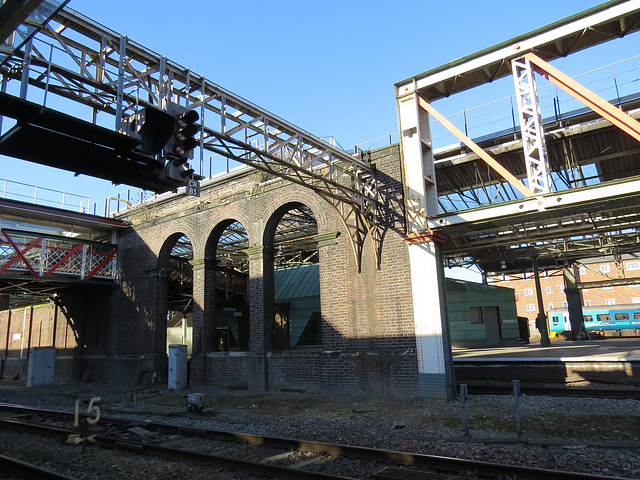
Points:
533	144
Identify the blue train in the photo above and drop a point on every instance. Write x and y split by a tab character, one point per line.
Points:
602	320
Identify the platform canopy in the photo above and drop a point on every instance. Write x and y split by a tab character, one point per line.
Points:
593	206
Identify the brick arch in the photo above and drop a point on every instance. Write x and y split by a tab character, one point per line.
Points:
276	216
219	226
158	290
278	323
324	213
168	244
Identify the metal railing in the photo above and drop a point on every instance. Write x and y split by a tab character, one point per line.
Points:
24	192
614	82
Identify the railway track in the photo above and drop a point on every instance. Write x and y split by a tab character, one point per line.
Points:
27	470
267	457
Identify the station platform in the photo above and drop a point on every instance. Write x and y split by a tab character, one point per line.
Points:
609	360
604	349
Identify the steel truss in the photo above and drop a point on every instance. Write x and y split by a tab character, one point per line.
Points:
80	60
533	143
47	257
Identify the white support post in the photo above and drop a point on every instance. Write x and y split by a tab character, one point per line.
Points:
433	343
533	143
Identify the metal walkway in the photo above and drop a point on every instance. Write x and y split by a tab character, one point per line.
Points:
43	249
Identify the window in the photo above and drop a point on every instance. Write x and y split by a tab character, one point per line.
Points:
583	270
565	304
550	306
588	318
605	268
562	288
635	299
636	315
526	275
587	303
531	307
621	316
604	317
475	314
549	289
610	301
506	278
632	266
528	291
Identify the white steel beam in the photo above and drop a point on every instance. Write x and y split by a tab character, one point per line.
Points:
604	22
433	343
551	201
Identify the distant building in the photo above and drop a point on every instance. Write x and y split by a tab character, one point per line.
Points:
553	286
481	314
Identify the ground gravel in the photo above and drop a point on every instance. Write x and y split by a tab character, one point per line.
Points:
596	436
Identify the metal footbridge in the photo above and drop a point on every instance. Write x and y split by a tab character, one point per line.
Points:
44	249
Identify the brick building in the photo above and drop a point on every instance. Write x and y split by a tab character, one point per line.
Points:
597	271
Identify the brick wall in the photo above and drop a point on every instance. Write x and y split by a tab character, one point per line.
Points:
368	335
75	325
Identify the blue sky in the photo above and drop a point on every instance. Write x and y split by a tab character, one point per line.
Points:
328	67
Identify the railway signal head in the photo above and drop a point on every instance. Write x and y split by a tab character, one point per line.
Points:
182	142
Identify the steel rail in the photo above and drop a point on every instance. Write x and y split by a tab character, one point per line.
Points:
29	470
157	450
448	464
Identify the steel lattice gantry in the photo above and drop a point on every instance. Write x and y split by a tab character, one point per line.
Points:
114	78
515	192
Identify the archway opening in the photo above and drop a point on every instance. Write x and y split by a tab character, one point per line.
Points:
231	292
180	294
297	321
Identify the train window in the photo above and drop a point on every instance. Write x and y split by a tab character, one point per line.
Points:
622	316
555	318
588	318
604	317
636	315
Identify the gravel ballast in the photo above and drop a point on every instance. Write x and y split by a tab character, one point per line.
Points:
596	436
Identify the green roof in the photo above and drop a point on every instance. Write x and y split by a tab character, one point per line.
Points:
455	285
297	282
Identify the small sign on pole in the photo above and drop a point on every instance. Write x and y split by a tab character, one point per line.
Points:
193	188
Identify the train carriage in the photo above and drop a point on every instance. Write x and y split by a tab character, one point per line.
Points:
601	320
